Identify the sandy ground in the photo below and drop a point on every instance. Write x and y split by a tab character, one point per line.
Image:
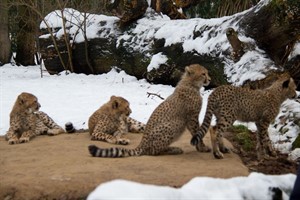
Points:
60	167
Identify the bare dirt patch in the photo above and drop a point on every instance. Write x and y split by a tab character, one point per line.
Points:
60	167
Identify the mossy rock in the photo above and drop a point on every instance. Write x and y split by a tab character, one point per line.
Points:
296	143
170	72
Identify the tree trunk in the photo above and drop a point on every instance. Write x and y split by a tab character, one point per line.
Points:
275	28
26	37
5	51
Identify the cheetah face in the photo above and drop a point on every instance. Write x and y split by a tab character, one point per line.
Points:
198	74
29	102
120	105
206	78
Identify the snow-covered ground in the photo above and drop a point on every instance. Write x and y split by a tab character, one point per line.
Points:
255	186
74	97
211	41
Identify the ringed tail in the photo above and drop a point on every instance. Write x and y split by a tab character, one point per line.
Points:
204	126
114	152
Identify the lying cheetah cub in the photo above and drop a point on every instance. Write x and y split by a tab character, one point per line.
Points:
169	120
26	121
111	121
229	103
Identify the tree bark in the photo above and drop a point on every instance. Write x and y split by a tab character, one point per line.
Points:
26	37
5	50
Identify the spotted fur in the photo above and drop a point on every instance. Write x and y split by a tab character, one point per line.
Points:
169	120
26	121
111	121
229	103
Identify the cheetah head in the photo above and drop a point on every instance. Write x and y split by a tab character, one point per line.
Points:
120	105
28	102
198	75
289	88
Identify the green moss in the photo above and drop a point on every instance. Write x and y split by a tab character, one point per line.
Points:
242	137
296	143
239	128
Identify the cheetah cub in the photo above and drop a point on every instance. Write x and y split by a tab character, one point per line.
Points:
111	121
26	121
169	120
229	103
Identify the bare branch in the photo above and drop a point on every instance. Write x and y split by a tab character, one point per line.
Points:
154	94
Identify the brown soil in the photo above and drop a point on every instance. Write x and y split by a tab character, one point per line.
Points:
60	167
279	165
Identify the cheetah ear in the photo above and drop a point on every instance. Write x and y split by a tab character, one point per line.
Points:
20	100
188	71
115	104
286	83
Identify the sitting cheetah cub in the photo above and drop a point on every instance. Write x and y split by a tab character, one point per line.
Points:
169	120
229	103
26	121
111	121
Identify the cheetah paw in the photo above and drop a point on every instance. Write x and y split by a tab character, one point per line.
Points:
13	141
123	141
218	155
24	139
52	132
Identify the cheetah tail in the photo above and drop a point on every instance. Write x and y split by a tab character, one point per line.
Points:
204	127
114	152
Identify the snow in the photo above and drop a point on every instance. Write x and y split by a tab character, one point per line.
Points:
77	103
211	37
296	51
74	24
255	186
74	97
156	60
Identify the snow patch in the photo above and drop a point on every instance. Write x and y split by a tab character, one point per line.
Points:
255	186
156	61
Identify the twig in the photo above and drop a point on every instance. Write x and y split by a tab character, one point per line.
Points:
149	94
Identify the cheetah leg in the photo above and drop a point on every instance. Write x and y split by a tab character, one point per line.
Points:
122	130
216	135
222	147
41	128
135	126
49	124
172	151
217	138
264	146
193	127
109	138
26	136
12	137
55	131
99	135
214	143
